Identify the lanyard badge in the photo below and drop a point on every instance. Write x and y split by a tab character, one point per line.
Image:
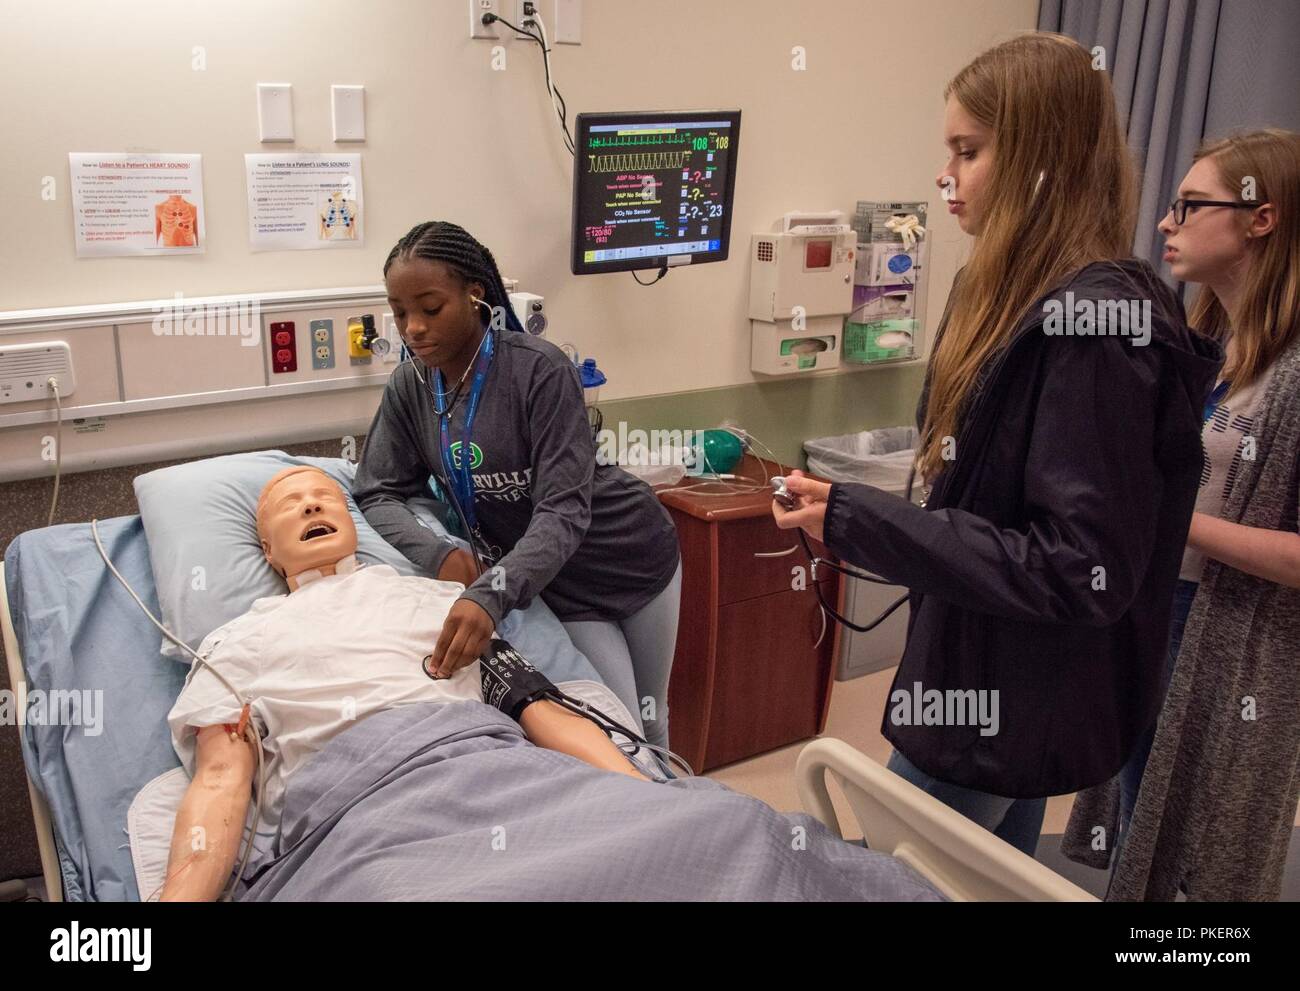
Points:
458	465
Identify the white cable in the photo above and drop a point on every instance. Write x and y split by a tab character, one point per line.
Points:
94	530
550	85
632	747
261	773
58	447
775	460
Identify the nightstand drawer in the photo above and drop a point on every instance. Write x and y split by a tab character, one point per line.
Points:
755	557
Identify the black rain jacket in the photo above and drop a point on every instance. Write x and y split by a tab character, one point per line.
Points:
1076	453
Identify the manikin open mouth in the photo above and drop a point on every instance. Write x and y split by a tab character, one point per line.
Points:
317	530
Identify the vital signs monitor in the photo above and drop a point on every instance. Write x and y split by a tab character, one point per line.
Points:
653	189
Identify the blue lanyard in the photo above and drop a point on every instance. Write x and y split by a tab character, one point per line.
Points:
459	475
1216	397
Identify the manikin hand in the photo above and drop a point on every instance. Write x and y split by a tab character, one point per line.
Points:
465	635
810	513
458	566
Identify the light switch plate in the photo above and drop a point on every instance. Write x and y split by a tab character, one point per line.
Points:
275	111
568	22
348	104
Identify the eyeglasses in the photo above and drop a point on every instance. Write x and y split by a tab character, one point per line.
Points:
1179	207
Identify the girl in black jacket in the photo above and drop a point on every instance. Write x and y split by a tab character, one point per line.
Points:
1060	448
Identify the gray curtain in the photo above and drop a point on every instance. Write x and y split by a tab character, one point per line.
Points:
1186	71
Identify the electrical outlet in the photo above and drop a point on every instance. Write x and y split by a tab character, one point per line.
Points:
477	29
284	347
523	19
322	337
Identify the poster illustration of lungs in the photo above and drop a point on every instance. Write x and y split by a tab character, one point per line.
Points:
137	204
300	202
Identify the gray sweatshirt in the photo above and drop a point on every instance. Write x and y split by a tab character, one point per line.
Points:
593	541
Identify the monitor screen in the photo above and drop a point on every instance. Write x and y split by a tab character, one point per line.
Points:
653	187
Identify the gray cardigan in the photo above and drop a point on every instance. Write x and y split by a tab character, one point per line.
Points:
1218	799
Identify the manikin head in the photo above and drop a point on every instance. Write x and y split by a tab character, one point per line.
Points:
303	523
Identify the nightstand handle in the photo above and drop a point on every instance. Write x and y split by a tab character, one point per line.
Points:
783	553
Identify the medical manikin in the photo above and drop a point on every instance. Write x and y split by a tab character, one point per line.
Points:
345	642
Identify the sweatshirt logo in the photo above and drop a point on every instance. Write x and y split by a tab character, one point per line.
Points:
475	455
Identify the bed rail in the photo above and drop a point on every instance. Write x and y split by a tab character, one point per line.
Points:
962	859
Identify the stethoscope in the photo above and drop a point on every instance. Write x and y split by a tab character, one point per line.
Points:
786	499
458	468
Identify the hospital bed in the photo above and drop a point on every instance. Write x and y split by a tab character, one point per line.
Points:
67	623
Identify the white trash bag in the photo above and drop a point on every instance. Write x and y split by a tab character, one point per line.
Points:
881	457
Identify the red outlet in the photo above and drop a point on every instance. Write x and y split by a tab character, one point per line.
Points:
285	356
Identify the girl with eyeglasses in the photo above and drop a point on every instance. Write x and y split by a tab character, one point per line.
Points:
1208	802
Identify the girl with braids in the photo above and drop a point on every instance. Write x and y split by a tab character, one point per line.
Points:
590	539
1060	454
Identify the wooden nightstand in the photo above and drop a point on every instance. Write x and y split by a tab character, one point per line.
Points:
755	658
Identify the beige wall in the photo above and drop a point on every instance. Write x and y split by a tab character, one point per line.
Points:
450	138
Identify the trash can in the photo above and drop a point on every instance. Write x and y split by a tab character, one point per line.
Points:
882	458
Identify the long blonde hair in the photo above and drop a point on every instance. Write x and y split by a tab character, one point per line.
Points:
1268	317
1061	194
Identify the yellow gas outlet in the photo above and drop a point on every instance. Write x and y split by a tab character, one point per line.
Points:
356	334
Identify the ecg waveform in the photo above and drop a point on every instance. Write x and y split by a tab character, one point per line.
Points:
624	140
644	162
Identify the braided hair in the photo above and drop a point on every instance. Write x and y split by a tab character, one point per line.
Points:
440	240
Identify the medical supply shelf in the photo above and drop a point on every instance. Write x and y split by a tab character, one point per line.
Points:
754	666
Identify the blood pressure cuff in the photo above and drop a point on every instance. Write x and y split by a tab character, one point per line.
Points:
509	682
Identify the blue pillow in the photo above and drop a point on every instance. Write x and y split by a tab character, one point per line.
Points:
207	562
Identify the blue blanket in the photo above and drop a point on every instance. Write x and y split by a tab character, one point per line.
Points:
450	801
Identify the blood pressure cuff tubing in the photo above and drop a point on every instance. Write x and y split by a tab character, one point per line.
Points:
509	682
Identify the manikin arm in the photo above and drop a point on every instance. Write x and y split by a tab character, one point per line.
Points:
210	823
514	687
556	728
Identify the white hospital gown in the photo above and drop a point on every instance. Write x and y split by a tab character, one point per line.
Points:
315	661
